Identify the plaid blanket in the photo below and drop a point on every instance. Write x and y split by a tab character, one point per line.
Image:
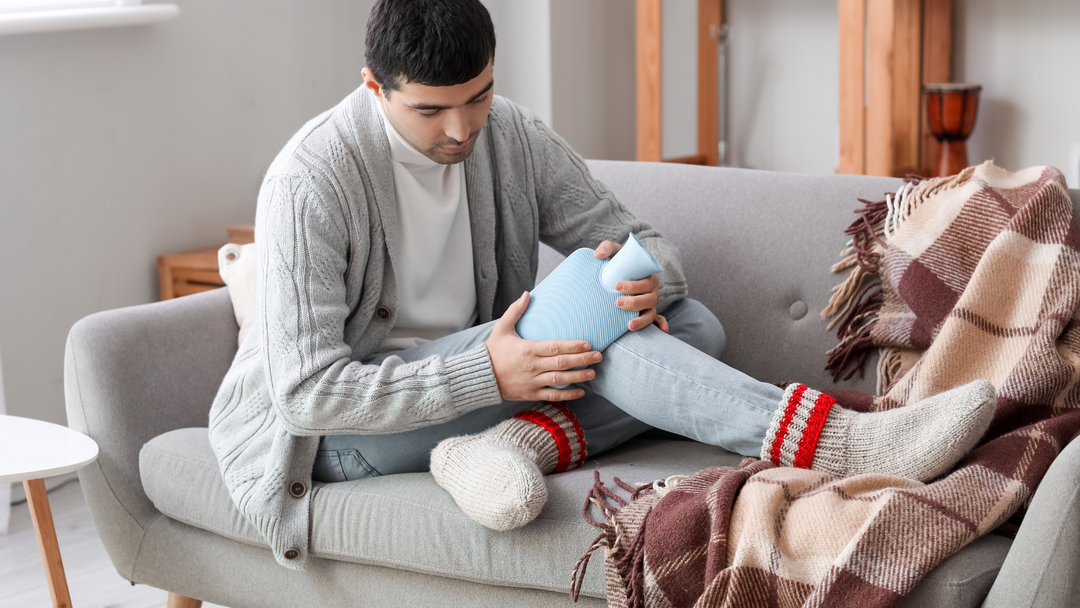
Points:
955	279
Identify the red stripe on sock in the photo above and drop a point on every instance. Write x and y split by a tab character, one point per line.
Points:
561	441
804	456
582	446
789	413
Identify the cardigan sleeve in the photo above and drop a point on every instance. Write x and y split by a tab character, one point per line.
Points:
314	383
577	210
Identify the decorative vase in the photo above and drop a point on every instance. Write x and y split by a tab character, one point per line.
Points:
951	109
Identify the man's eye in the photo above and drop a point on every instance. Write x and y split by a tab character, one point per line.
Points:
481	100
429	114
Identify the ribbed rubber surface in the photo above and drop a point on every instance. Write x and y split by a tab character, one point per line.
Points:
571	304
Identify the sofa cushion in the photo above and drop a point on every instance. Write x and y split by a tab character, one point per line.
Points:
964	578
409	522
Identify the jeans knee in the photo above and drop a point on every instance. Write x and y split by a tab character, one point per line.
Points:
713	339
693	323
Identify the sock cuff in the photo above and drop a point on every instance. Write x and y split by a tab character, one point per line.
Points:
564	428
793	436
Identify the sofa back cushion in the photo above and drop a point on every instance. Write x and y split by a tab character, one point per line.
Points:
757	248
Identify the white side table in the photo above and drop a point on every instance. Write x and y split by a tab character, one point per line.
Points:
30	451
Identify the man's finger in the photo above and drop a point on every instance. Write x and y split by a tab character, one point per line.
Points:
606	250
570	361
559	378
635	288
510	318
554	348
640	303
645	319
554	394
661	322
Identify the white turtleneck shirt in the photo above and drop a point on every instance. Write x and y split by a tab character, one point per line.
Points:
434	266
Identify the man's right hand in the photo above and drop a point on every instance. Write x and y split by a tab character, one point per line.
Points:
526	369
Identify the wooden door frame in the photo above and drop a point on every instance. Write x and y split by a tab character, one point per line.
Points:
888	50
650	115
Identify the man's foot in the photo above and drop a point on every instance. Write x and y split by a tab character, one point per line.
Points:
919	441
497	477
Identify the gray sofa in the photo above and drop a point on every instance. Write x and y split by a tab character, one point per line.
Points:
756	246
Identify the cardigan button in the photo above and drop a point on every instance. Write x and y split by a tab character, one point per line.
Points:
291	554
383	313
297	489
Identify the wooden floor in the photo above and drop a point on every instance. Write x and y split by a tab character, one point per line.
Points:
91	578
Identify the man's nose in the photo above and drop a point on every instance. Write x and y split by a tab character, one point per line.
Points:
457	126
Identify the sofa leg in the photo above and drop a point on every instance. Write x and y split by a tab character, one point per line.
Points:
178	601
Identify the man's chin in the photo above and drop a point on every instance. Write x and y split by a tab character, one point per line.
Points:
444	157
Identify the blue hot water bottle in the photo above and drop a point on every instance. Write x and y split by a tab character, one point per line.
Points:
577	300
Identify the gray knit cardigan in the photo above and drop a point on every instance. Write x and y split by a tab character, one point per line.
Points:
326	226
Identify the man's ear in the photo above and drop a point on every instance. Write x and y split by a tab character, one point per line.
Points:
371	83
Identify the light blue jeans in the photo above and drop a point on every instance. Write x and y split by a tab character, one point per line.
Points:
673	382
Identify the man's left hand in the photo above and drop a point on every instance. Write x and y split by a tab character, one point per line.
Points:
641	296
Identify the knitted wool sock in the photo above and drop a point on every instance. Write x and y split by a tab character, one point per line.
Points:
497	476
919	441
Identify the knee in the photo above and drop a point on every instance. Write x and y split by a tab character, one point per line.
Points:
693	323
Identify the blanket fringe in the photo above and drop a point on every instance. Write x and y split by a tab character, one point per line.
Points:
605	500
609	503
635	561
855	333
877	222
577	577
863	255
889	368
855	303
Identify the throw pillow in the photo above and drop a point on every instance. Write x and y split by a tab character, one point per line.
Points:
236	264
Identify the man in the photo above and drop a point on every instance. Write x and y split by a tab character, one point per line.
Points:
398	233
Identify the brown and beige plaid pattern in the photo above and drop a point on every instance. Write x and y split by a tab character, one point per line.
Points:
962	278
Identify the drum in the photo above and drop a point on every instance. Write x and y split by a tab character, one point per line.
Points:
951	109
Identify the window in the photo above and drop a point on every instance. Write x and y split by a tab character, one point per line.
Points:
10	6
27	16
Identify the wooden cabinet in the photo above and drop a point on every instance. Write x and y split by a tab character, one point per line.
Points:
241	235
196	270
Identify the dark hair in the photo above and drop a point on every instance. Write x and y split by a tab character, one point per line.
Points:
431	42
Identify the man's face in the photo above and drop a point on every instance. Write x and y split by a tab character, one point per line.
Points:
442	123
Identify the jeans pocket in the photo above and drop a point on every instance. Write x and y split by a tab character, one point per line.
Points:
327	467
332	466
355	466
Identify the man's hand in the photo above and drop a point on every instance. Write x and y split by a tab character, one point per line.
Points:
641	296
525	369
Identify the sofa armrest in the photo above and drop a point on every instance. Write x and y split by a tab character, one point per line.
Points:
1041	567
134	373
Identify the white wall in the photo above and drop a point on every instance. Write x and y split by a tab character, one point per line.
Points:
784	85
679	78
5	488
1025	54
571	63
593	77
122	144
523	53
784	82
783	79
